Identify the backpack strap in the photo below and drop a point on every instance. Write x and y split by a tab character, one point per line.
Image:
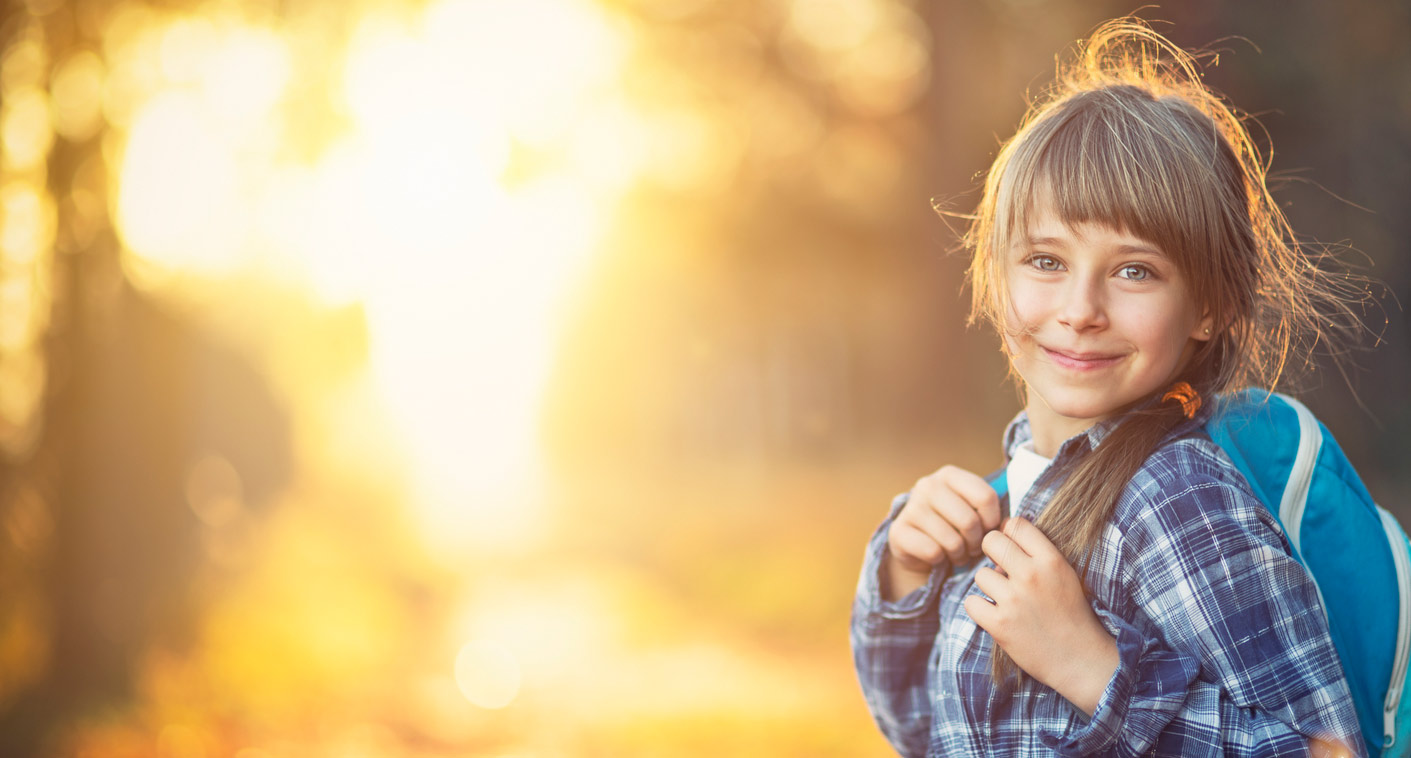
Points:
1295	499
1391	707
999	482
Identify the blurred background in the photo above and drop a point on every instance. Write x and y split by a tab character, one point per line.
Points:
524	377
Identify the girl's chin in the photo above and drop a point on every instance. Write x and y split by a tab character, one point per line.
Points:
1078	410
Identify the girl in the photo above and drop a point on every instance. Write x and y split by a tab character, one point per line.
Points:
1139	600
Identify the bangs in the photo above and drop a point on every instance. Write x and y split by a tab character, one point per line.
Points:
1110	158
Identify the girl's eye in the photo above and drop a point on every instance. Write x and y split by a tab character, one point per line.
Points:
1136	273
1045	263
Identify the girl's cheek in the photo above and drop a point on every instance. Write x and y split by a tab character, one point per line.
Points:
1010	348
1022	312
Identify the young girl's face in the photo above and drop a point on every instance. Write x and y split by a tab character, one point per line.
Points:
1099	318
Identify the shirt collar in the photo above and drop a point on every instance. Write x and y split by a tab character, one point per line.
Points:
1018	432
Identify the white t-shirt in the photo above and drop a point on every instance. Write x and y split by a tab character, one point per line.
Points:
1023	470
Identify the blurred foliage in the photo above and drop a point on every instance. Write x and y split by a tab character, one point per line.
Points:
511	377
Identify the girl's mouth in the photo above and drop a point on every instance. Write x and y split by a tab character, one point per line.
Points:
1081	361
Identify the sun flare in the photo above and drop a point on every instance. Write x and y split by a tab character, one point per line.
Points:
405	206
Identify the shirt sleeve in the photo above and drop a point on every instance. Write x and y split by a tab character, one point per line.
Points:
1229	653
891	643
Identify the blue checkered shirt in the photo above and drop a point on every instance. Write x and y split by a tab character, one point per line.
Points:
1223	641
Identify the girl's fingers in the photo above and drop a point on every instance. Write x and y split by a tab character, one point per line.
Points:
954	509
992	583
1006	554
976	492
915	549
1029	538
949	540
963	519
981	612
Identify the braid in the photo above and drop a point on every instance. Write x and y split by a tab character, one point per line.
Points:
1084	503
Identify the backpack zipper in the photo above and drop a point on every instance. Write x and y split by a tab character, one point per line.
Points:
1402	559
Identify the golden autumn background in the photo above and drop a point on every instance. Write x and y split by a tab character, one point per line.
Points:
523	377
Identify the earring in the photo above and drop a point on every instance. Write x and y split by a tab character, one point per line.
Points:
1207	331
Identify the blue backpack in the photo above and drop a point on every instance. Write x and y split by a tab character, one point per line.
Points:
1358	554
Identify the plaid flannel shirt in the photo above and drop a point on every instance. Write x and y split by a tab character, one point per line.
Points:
1223	641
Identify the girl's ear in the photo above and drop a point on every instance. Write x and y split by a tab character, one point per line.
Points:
1204	328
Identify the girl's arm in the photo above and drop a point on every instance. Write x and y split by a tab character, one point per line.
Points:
941	523
891	644
1224	649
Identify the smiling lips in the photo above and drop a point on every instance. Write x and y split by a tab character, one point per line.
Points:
1081	361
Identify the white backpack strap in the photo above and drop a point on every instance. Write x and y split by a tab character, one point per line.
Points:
1310	442
1402	559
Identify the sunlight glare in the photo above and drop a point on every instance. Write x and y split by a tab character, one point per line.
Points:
134	40
487	674
462	308
688	150
530	77
246	74
404	208
611	146
462	348
185	44
178	204
556	630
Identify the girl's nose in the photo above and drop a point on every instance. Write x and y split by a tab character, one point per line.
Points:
1083	308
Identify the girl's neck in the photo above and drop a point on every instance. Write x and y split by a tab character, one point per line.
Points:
1049	429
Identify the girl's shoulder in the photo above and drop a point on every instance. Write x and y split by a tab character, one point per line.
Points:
1186	508
1192	456
1191	477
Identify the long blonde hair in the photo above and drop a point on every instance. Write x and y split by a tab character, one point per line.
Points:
1130	137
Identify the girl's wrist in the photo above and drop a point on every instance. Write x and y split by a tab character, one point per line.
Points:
1088	675
898	580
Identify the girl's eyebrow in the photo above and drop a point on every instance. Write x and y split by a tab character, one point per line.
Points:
1147	249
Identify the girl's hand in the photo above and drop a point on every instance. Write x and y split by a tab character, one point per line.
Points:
944	521
1040	615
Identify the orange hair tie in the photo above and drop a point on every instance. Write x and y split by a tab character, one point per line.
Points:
1186	395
